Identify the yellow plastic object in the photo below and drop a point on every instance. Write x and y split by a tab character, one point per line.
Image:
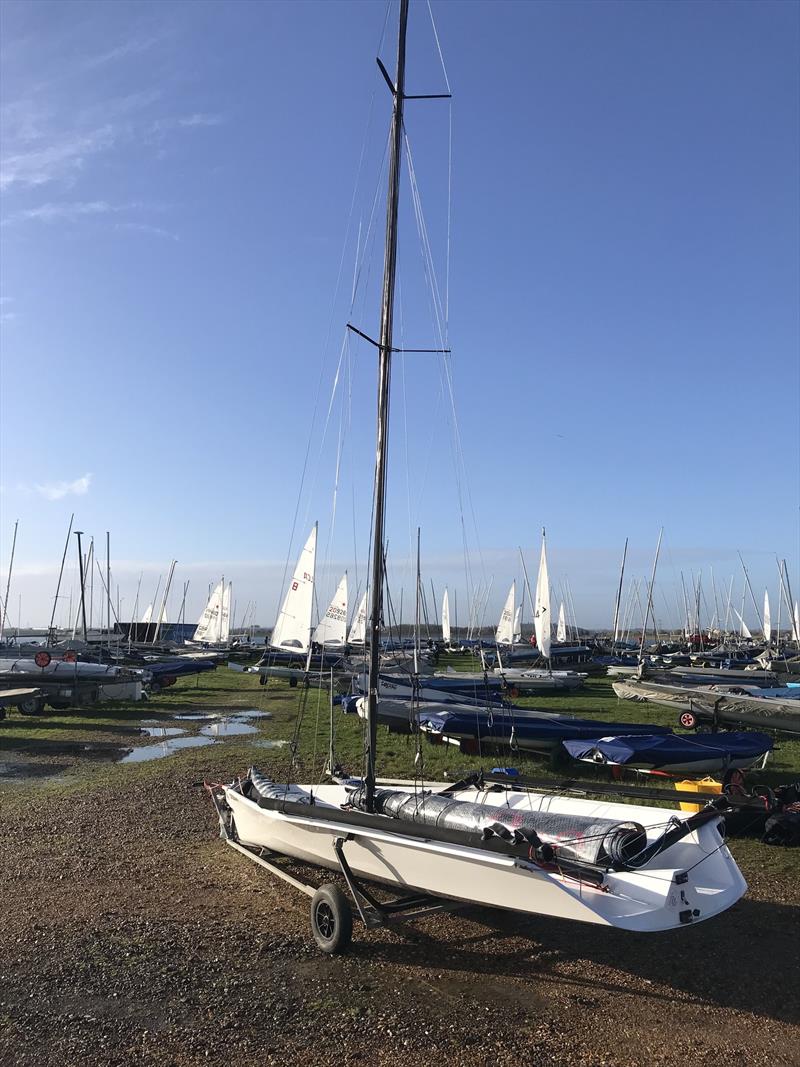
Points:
693	785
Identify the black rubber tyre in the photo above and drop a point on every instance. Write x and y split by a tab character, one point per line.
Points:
331	919
31	706
688	720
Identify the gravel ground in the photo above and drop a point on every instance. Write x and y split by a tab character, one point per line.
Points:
131	935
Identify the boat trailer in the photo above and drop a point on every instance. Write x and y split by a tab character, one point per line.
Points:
331	911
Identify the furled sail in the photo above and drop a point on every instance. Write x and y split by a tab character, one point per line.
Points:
504	635
446	618
541	614
332	627
767	619
561	630
796	624
744	630
293	627
225	622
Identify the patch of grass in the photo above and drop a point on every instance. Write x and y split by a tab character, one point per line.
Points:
306	714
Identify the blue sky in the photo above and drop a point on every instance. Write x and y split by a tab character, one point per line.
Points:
177	182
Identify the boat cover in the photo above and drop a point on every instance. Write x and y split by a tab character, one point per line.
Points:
677	750
503	727
180	666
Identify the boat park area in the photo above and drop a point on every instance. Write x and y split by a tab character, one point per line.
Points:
131	935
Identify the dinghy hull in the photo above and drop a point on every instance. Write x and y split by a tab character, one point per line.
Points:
646	900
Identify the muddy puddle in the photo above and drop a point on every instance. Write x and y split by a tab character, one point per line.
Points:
228	728
167	747
158	741
223	713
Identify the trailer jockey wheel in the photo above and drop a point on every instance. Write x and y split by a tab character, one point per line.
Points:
688	720
331	919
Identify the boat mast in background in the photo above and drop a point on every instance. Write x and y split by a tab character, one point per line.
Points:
51	628
4	608
619	592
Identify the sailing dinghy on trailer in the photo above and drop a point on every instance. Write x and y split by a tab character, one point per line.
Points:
635	868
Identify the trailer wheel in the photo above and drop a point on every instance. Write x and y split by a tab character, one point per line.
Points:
688	720
31	706
331	919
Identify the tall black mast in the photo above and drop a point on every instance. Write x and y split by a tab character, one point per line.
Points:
384	371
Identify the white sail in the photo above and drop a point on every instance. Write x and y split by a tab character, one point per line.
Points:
147	615
225	622
358	631
767	619
446	618
332	627
517	625
293	628
796	624
504	634
541	614
561	629
208	625
743	630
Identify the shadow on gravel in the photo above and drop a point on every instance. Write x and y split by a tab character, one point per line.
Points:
20	771
748	960
32	723
46	747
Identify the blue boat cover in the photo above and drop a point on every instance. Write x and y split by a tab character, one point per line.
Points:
498	726
665	750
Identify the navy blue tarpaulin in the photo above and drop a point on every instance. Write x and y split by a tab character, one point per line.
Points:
672	750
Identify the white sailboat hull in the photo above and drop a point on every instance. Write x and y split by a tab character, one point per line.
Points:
648	900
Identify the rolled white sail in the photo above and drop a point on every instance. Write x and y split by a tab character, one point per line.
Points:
225	621
767	620
561	630
541	614
293	627
446	618
796	624
504	634
332	628
208	626
744	632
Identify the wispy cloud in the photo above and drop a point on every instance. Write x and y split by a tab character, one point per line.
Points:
145	227
60	160
182	122
58	490
134	46
67	211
